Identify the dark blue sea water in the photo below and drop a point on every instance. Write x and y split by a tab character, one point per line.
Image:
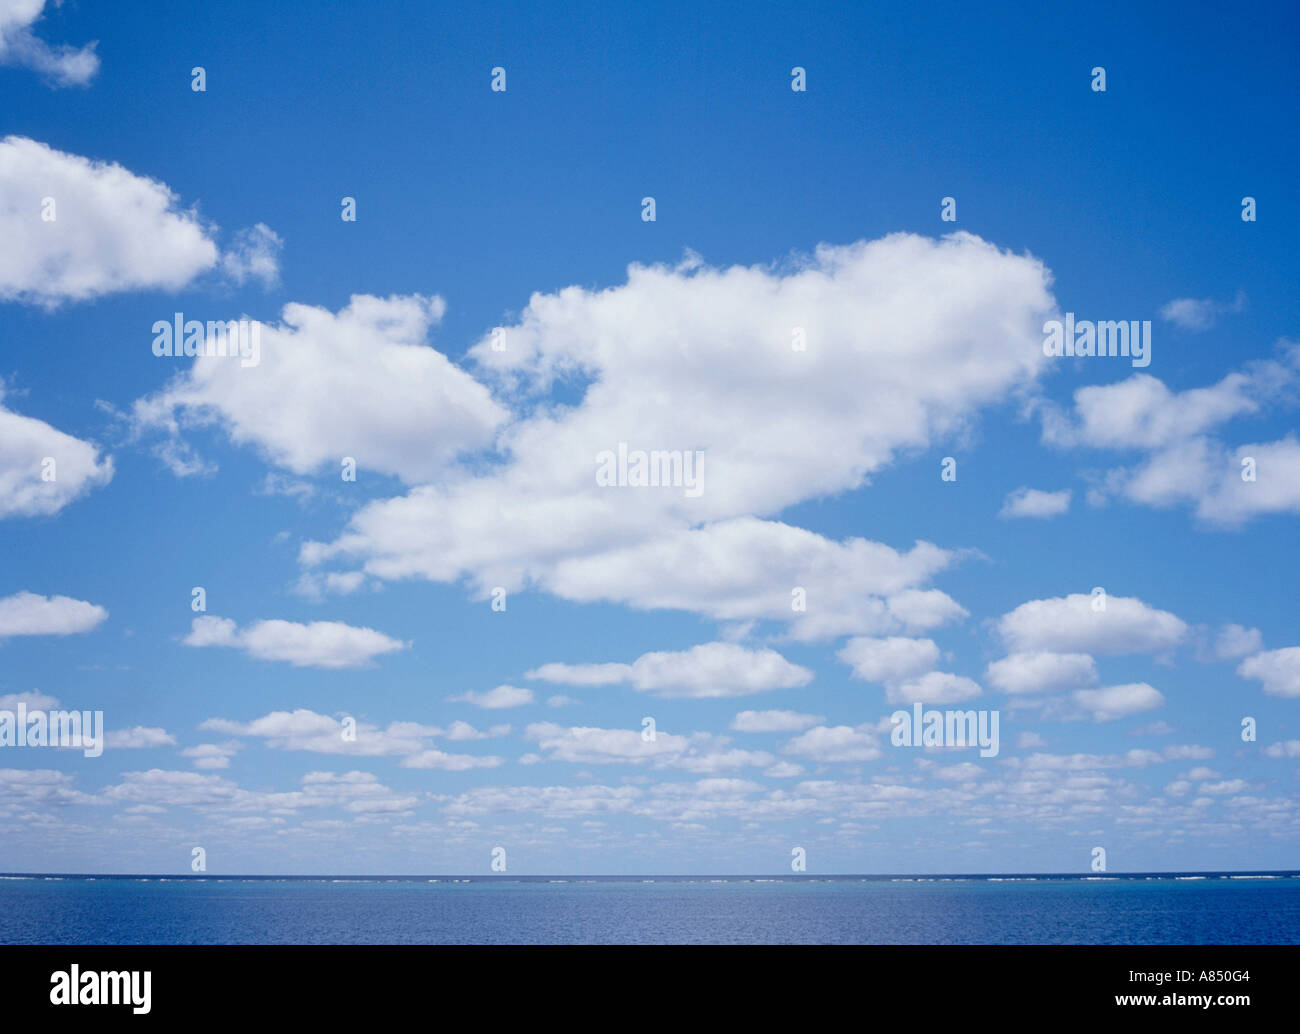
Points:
1120	909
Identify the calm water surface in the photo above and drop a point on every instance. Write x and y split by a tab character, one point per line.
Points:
645	910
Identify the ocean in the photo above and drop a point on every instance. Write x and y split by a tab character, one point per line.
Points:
1163	908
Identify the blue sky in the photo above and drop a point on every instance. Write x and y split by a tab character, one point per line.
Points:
775	209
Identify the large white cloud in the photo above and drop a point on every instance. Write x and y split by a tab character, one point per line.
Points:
699	359
1072	624
359	383
112	231
29	485
61	64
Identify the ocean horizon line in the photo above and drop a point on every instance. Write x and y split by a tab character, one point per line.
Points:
804	877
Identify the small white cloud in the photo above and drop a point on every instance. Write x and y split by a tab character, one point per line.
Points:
279	484
699	753
935	687
138	738
437	759
254	254
306	730
320	644
495	699
29	485
587	745
1200	313
773	721
212	755
840	743
61	64
26	613
1079	624
1106	705
1224	787
1278	670
704	671
1184	464
316	587
1032	502
582	674
886	660
459	730
1042	672
33	701
1234	641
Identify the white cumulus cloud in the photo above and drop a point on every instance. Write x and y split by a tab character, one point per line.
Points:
707	670
774	425
320	644
1042	672
1033	502
840	743
496	699
1278	670
112	230
60	63
773	721
891	659
1077	624
359	383
26	613
1112	702
1200	313
29	486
